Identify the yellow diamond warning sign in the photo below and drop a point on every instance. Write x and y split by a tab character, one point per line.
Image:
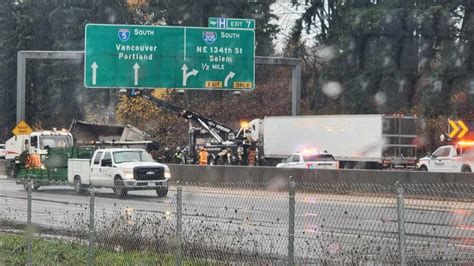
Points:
22	129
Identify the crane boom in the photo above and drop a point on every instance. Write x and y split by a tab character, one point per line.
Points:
219	131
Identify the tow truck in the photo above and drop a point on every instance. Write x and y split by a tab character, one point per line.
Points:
216	137
457	156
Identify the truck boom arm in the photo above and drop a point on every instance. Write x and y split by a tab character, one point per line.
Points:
219	131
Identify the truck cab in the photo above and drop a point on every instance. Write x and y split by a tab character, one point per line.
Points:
121	169
449	158
37	143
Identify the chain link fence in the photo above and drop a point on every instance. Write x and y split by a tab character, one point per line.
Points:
240	223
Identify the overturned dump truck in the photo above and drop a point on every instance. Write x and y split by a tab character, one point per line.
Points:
51	168
86	133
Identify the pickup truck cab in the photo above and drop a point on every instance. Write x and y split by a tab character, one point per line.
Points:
121	169
449	158
310	160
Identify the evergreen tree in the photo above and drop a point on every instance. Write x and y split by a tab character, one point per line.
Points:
9	11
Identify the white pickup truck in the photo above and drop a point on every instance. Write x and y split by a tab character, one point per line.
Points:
120	169
449	158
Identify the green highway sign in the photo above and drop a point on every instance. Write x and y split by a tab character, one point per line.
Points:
235	23
137	56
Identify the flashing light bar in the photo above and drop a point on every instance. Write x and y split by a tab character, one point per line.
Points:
311	151
466	143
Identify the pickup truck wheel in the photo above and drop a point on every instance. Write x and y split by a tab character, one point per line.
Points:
466	169
423	168
162	192
33	188
78	188
119	189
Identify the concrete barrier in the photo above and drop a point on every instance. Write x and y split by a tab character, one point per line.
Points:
244	174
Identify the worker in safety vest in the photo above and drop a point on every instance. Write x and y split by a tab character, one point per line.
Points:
179	157
203	156
33	161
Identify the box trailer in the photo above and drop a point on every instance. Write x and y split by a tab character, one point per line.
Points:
356	141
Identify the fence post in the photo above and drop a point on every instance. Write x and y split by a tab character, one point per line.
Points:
179	237
401	223
291	222
29	229
90	255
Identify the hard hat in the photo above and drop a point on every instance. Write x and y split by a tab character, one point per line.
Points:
178	148
167	149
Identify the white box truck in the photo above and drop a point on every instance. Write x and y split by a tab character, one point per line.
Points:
356	141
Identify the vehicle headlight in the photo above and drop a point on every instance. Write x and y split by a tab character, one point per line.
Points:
128	173
167	173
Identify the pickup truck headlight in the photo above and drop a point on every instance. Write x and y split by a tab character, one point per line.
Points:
167	173
128	173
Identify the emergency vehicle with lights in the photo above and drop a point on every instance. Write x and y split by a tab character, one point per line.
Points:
224	144
458	156
310	159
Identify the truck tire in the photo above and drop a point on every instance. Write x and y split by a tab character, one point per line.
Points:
162	192
33	188
13	170
466	169
78	187
211	160
423	168
119	188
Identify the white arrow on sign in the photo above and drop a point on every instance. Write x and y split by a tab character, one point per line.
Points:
136	67
188	74
229	76
94	67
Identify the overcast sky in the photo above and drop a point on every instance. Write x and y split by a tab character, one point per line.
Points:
287	14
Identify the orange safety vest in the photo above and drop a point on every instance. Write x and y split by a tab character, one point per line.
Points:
252	157
203	157
33	161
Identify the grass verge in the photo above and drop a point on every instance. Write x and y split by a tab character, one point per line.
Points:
13	251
